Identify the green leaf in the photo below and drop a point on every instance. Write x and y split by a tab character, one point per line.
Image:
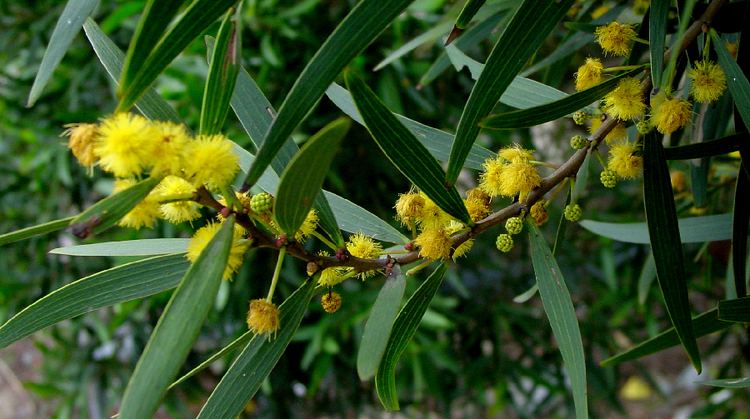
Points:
704	324
404	150
727	382
360	27
737	310
379	324
657	31
437	142
157	14
661	218
529	26
353	218
177	329
222	75
151	105
36	230
116	285
303	177
646	278
257	359
404	327
467	13
235	344
110	210
740	227
561	314
198	16
67	27
144	247
701	229
429	36
707	148
737	82
582	179
553	110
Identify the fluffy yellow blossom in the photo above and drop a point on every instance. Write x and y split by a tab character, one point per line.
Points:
432	215
169	143
452	228
409	207
434	243
477	204
519	178
332	276
626	101
709	81
125	145
625	161
236	253
670	115
510	173
491	177
210	161
144	214
589	74
82	140
364	247
618	133
515	154
331	302
263	317
307	227
615	38
539	213
173	187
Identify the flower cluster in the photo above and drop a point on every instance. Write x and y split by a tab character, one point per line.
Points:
509	174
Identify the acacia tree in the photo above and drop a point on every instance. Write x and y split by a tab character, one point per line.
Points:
663	88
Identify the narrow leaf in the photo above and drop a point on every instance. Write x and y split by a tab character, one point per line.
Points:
704	324
36	230
701	229
428	36
116	285
737	82
404	327
529	26
358	29
737	310
562	316
467	13
177	329
646	278
144	247
222	75
67	27
404	150
727	382
553	110
241	341
198	16
303	178
740	226
110	210
257	359
707	148
353	218
657	31
379	324
661	218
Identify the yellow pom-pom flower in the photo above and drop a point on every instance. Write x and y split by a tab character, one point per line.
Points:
539	213
477	204
432	215
510	173
589	74
515	154
709	81
626	101
210	161
125	145
331	302
519	178
617	133
173	187
263	317
434	243
671	114
144	214
364	247
452	228
490	180
236	253
308	226
615	38
409	207
169	145
82	139
332	276
625	161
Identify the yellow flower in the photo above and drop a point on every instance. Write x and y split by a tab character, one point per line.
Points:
332	276
589	74
670	115
125	145
178	211
409	207
519	178
307	227
452	228
709	81
679	180
144	214
615	38
364	247
169	144
236	253
82	141
210	161
515	154
492	176
624	160
331	302
431	215
618	132
477	204
434	243
539	213
626	101
263	317
510	173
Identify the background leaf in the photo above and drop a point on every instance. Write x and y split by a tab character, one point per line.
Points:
737	310
241	341
727	382
740	226
142	247
737	82
707	148
379	324
701	229
116	285
222	75
471	7
178	327
562	316
36	230
657	31
353	218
